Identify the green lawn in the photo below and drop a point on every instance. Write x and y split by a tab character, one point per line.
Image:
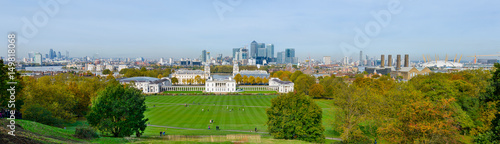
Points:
171	111
226	111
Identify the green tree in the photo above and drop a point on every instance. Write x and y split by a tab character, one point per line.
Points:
295	75
106	71
119	110
303	83
51	93
238	78
353	106
295	116
316	90
4	93
175	80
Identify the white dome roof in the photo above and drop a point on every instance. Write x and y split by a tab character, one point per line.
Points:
442	63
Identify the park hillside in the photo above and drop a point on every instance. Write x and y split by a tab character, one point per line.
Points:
455	107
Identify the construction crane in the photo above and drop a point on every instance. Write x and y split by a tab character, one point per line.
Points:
475	57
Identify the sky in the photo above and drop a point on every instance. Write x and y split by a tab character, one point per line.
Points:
315	28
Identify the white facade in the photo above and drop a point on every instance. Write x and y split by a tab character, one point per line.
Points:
90	67
184	75
227	85
283	86
147	84
110	67
38	58
99	68
120	67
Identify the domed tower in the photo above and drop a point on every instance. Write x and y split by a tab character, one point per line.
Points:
207	70
236	69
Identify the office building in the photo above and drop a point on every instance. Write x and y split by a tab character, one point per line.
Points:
290	56
253	49
204	55
51	54
360	58
327	60
38	58
280	57
270	51
235	53
261	52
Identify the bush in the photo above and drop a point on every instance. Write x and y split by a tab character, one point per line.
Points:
40	114
86	133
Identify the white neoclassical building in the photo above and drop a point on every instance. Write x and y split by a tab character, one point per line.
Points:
183	75
220	85
147	84
283	86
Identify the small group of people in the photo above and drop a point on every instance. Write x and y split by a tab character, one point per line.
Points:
211	121
216	128
162	133
204	110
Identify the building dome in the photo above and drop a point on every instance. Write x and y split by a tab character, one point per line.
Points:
442	63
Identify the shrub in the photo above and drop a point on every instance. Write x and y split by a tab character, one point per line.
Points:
40	114
86	133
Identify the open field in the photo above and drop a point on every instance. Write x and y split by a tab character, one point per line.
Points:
243	113
226	111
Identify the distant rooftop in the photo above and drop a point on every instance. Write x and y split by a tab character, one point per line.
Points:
280	81
139	79
182	71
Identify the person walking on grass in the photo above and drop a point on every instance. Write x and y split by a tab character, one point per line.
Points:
208	127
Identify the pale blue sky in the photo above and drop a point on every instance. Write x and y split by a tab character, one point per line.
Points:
183	28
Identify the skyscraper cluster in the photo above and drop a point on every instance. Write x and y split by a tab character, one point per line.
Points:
261	52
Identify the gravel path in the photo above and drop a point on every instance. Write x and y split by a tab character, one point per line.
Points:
330	138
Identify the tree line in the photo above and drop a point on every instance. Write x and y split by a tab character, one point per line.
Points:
434	108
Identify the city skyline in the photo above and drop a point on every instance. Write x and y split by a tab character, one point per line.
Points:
316	28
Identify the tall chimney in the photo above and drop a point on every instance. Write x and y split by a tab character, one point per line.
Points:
398	62
382	60
407	60
389	60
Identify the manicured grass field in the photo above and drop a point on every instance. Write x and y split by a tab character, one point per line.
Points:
228	112
171	111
